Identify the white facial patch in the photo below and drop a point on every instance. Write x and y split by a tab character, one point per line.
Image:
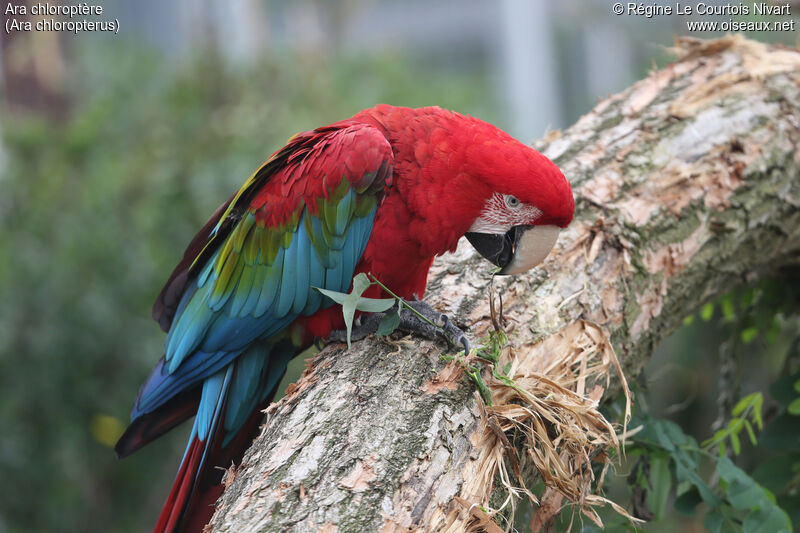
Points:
532	248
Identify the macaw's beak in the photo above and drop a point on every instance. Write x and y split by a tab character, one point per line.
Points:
519	249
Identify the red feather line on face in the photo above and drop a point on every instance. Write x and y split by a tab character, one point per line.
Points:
496	215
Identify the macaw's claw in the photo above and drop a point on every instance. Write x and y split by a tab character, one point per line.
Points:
454	335
440	325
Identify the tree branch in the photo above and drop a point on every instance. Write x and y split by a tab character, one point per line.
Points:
686	185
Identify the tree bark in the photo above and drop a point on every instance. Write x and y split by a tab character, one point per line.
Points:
686	184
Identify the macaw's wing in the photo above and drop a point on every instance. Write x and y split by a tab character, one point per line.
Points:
301	221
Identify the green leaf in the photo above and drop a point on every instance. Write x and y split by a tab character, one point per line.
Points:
719	436
686	504
389	323
728	309
662	435
688	320
734	428
744	403
773	331
767	520
374	305
661	483
350	302
794	407
338	297
360	283
485	392
749	334
368	305
684	473
755	414
713	521
707	312
744	493
735	444
750	432
682	450
797	385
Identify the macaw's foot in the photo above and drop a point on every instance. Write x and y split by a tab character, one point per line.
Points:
434	325
444	328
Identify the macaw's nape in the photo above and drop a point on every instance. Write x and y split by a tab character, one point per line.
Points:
382	193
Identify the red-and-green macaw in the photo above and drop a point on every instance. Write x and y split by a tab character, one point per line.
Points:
382	193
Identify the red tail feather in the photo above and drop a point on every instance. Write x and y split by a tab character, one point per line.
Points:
197	486
202	507
179	497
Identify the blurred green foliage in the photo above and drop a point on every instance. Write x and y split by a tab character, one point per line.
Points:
714	442
96	211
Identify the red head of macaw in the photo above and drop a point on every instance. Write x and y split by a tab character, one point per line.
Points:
383	192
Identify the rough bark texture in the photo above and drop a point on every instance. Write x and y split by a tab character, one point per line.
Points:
686	185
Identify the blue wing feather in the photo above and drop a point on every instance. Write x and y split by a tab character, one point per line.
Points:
271	285
259	279
288	280
302	267
244	288
187	332
215	388
257	373
316	278
250	373
333	275
162	385
228	333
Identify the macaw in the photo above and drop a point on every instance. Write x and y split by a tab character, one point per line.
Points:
383	193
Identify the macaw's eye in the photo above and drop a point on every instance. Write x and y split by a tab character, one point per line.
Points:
512	201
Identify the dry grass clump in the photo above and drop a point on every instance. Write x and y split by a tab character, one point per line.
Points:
546	403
